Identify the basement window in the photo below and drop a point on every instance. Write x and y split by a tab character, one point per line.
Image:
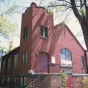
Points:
44	32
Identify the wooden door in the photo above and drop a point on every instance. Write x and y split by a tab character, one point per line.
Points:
43	62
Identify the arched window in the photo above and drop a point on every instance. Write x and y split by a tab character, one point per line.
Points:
66	57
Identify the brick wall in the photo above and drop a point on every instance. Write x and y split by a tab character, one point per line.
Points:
11	70
58	38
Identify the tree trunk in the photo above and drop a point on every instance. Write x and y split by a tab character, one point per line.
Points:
86	38
82	23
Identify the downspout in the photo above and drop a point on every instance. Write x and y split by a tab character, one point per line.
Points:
86	64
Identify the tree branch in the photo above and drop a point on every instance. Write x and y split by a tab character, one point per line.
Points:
58	5
76	13
82	23
86	11
85	3
65	1
80	3
61	5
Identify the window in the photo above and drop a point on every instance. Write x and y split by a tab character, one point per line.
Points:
44	31
7	63
3	80
3	65
25	32
66	57
25	80
8	79
24	57
82	62
21	80
15	60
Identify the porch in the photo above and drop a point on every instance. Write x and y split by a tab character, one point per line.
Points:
31	81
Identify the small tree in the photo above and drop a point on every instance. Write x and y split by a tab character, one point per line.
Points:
8	24
63	78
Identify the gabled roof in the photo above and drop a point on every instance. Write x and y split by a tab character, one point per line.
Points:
71	34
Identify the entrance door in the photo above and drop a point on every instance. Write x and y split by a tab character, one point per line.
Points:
42	62
69	81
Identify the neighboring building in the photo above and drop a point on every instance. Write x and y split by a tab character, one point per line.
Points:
44	48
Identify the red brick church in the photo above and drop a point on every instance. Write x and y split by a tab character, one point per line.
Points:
44	49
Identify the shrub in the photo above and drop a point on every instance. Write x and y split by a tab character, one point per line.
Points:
63	78
85	82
